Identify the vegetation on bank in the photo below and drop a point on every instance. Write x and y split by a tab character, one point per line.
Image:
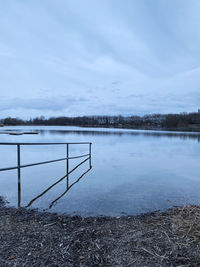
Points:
31	238
183	121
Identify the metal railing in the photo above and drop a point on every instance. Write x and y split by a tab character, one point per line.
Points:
19	166
67	158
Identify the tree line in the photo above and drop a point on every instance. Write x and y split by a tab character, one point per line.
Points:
183	120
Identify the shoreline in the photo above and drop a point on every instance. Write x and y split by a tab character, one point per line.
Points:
178	129
33	238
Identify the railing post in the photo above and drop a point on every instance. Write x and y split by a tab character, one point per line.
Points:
67	166
90	153
19	175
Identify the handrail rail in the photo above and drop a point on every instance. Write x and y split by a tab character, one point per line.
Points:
19	166
37	144
43	162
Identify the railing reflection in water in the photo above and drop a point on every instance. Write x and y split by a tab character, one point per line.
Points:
68	187
60	180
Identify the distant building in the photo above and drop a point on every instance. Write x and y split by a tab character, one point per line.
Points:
198	110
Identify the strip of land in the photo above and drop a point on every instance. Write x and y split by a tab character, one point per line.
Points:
32	238
166	122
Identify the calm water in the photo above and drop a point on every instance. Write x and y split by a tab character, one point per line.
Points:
132	171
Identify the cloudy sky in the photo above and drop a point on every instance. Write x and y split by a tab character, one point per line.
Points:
85	57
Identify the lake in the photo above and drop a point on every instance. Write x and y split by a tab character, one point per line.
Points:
132	171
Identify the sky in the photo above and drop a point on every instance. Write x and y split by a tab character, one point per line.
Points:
99	57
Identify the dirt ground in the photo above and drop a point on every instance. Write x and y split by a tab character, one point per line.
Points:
32	238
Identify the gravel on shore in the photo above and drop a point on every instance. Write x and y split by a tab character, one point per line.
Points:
32	238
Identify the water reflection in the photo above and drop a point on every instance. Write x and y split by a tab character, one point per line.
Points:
180	135
68	187
111	132
135	171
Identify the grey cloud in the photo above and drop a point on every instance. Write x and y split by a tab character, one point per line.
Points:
116	82
54	104
136	96
99	56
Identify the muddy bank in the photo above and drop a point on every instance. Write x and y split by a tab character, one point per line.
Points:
31	238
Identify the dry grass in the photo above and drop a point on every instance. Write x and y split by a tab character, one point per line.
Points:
30	238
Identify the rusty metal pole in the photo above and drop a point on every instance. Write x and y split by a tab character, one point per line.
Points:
67	166
90	153
19	175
